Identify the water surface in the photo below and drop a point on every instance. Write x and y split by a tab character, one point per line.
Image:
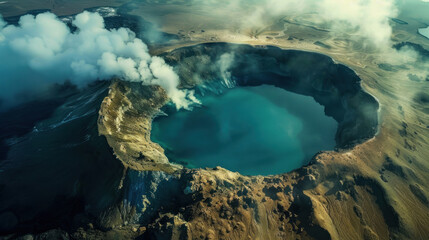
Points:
253	130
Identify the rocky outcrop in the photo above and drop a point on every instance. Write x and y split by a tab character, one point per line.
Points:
125	119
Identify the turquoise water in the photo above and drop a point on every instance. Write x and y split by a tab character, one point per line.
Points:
253	130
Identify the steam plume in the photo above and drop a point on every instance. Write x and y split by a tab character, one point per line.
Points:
368	18
42	50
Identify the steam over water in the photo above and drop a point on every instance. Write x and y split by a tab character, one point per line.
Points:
253	130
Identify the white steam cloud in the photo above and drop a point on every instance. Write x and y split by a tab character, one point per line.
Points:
42	50
364	19
224	64
368	19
